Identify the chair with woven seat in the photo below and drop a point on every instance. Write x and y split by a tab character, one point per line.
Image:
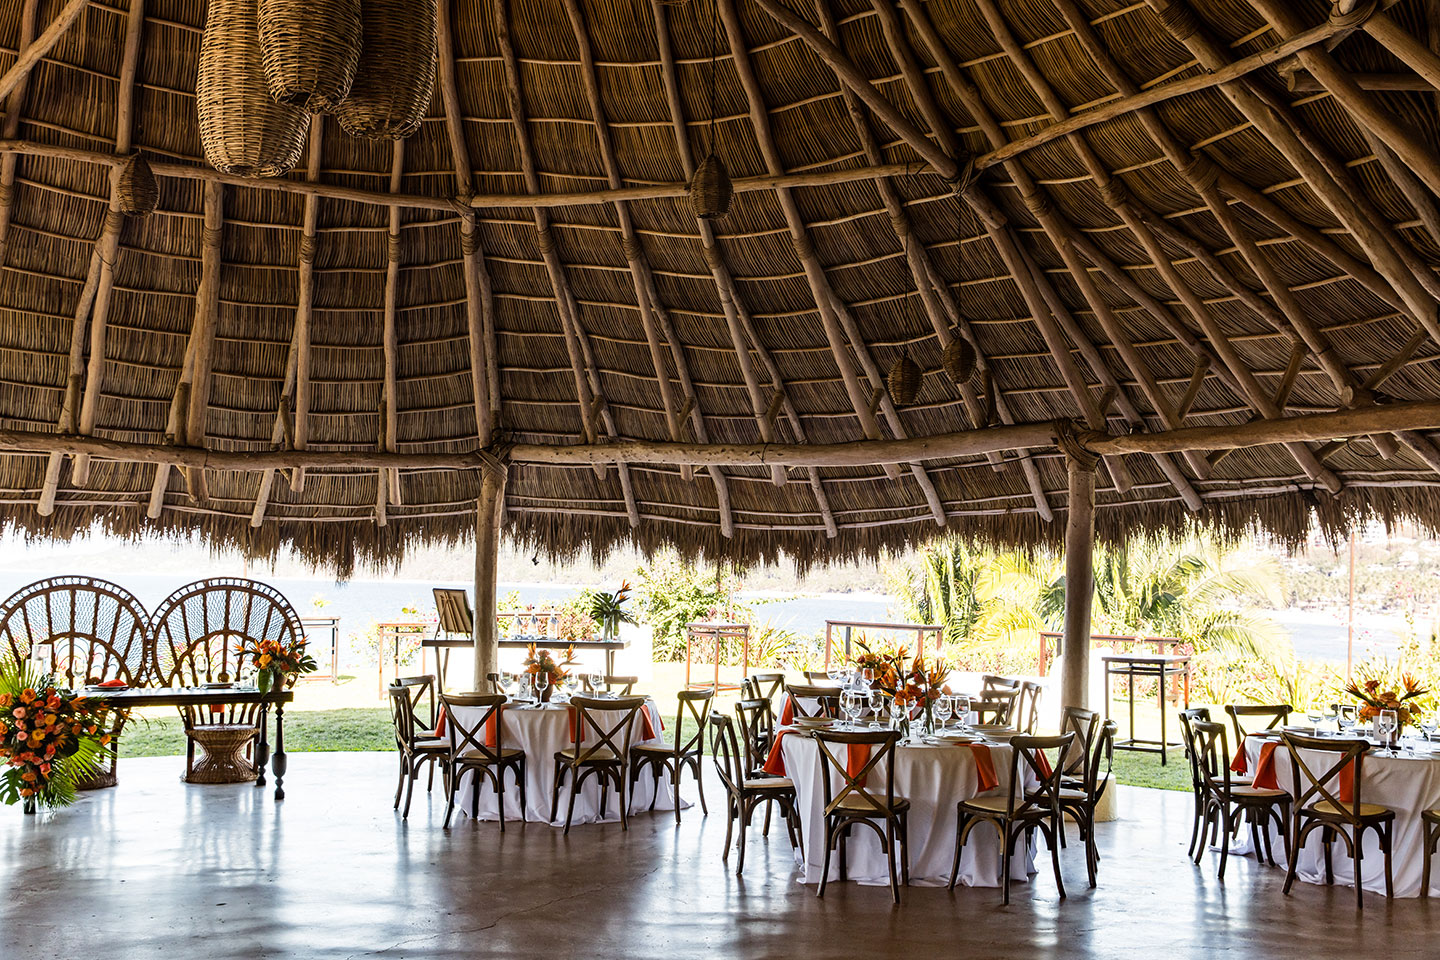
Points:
1026	715
827	700
1020	812
1085	724
757	732
1197	782
744	791
1430	819
1227	805
818	677
1080	801
1276	714
605	759
608	684
856	803
1319	807
468	751
415	739
692	712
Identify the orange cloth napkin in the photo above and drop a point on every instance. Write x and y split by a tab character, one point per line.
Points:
440	726
787	712
113	683
775	763
1264	766
1045	769
1241	763
856	756
647	725
984	767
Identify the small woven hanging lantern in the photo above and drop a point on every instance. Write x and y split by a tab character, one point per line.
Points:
904	381
243	131
393	90
136	189
309	49
959	359
711	189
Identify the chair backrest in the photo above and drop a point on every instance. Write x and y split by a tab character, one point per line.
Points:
412	708
612	722
1025	758
729	760
97	630
496	686
827	700
757	730
1312	786
1187	720
626	685
465	730
198	629
692	711
991	684
819	677
453	607
858	786
764	686
1084	724
1212	756
1276	714
1026	716
999	711
1103	752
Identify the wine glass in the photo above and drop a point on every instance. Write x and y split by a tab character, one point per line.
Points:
1430	724
1388	722
834	670
876	702
962	710
539	681
898	712
850	704
597	679
1315	715
943	708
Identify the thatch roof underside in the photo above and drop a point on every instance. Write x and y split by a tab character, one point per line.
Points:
1260	250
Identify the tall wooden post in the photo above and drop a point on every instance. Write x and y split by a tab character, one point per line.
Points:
489	510
1079	578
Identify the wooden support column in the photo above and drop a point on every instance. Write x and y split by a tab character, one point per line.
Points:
489	516
1079	578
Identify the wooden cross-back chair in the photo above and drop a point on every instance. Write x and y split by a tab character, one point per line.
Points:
1225	801
96	630
827	700
745	790
196	634
609	683
1020	812
1026	715
995	712
1319	806
857	803
605	758
414	722
1079	801
1276	714
1085	724
691	717
764	686
993	684
1197	781
468	751
757	733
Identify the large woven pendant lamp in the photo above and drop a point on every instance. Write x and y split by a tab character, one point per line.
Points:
396	80
309	49
710	186
244	132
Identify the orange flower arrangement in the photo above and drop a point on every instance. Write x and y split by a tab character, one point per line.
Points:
277	662
49	738
1375	696
541	661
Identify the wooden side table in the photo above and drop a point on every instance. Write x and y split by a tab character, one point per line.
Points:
714	635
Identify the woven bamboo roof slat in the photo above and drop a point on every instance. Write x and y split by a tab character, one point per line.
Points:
1208	231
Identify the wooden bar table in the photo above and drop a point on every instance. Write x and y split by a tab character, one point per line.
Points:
203	697
1146	666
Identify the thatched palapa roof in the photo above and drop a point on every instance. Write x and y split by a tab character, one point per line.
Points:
1067	185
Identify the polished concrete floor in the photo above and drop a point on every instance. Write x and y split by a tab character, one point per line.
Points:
157	868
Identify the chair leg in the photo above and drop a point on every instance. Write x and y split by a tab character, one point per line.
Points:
497	780
765	830
570	810
679	765
555	791
1357	859
399	781
409	791
746	808
1007	846
1225	814
890	853
730	815
524	802
700	787
1428	852
905	849
450	802
1385	844
825	867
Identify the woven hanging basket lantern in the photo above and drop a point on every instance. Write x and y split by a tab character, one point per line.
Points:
136	189
392	91
711	189
244	132
309	49
904	381
959	359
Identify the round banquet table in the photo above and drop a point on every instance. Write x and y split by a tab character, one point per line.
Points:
1406	784
933	777
540	732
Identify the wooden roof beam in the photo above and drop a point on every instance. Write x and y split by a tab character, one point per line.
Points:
480	319
11	128
34	51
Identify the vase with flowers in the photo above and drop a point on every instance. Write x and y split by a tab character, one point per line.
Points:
278	663
50	738
1379	692
541	662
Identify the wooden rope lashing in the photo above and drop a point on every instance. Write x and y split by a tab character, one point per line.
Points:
1201	171
803	248
546	241
307	248
630	246
495	464
469	243
1067	439
392	247
1114	193
1348	21
777	402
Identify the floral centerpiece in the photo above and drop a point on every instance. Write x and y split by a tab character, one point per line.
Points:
277	663
875	663
1377	693
50	738
912	686
541	661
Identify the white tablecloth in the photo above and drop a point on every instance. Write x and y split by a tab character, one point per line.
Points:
540	732
1406	785
933	778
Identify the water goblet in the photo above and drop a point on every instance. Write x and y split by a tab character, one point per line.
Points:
1314	715
540	681
1430	724
850	705
876	702
898	711
834	671
1388	722
943	708
962	711
596	679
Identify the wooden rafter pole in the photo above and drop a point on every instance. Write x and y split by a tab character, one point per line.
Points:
289	415
95	303
33	52
1421	416
387	482
481	201
479	294
799	233
14	109
714	257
